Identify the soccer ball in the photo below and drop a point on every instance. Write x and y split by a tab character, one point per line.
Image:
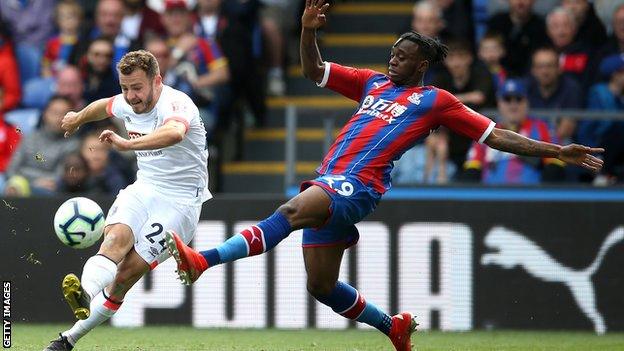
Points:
79	222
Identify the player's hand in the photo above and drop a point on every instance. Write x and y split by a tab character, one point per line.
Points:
70	123
314	14
581	156
117	142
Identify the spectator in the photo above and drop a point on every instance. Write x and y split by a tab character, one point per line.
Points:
496	167
491	53
591	31
608	134
198	59
458	19
140	22
98	77
272	17
31	21
105	176
108	17
9	140
40	154
171	77
427	19
549	89
522	30
472	84
75	176
69	83
573	56
233	25
68	18
10	90
615	42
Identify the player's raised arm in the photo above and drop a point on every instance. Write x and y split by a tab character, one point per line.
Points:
95	111
313	18
170	133
509	141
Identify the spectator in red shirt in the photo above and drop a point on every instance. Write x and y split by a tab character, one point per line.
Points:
10	90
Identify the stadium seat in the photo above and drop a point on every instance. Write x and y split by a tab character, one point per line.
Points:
25	119
29	61
37	91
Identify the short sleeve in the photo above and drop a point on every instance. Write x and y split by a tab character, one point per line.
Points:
347	81
451	113
177	110
114	106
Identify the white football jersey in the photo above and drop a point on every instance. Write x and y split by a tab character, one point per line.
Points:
180	171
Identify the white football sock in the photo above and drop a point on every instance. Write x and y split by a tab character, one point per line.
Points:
101	310
98	272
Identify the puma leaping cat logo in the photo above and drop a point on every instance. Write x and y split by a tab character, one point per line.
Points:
516	250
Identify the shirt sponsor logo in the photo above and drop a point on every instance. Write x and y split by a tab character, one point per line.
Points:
386	110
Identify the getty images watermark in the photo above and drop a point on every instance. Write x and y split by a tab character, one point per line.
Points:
6	314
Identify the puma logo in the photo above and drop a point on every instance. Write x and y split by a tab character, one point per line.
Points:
514	249
255	235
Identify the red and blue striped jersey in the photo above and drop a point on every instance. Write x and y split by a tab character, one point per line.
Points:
498	167
389	120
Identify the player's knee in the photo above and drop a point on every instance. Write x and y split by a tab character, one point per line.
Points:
320	287
288	210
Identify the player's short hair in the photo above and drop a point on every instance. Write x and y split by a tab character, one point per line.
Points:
429	48
140	59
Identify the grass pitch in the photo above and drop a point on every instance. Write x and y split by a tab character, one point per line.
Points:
166	338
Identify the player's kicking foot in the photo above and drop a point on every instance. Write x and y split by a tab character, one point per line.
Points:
77	299
60	344
191	264
403	325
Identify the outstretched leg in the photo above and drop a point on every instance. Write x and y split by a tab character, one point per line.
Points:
322	267
308	209
106	302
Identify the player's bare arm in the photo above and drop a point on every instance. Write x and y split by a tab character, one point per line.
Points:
169	134
313	18
509	141
95	111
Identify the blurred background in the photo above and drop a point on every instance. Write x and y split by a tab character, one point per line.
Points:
549	69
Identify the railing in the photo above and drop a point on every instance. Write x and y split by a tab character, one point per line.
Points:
292	117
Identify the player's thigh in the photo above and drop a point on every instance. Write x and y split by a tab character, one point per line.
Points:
322	267
163	216
129	271
310	208
125	219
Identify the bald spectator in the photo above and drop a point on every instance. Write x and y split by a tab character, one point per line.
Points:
69	83
108	17
427	19
574	57
590	28
523	31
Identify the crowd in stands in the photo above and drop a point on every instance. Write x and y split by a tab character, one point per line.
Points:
512	56
523	62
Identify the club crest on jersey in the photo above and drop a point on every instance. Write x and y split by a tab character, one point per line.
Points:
415	98
383	109
127	118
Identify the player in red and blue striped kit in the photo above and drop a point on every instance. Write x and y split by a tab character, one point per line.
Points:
394	111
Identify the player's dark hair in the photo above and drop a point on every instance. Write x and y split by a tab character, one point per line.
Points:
431	49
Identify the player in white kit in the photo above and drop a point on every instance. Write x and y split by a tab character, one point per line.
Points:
168	136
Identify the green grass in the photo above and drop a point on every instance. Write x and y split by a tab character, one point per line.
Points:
35	337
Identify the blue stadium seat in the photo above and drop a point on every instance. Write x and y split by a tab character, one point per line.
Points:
28	60
25	119
37	91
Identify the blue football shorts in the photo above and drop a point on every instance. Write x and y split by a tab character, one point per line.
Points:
351	201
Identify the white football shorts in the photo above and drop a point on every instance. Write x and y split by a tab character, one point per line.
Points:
149	214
